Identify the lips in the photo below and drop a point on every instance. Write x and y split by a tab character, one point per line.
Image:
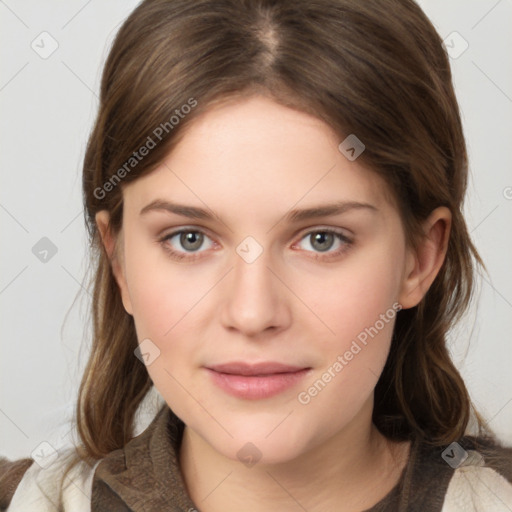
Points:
256	381
266	368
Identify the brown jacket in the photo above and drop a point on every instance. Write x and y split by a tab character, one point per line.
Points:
145	476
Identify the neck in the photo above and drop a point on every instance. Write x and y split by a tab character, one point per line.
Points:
332	476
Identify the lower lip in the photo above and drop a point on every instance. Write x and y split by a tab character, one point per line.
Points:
256	387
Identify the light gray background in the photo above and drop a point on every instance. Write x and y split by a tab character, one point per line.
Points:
47	108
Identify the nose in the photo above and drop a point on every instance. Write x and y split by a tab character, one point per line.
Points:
255	299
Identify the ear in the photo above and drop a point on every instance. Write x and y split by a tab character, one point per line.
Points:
424	262
115	256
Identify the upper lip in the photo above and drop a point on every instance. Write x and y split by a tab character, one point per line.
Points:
264	368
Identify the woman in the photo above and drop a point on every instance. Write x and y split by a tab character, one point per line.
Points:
274	192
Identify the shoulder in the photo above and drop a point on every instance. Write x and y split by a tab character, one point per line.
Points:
44	485
482	476
11	472
473	474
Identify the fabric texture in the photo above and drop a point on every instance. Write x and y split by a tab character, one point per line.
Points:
10	475
40	488
145	476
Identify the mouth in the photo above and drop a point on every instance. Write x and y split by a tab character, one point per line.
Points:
256	381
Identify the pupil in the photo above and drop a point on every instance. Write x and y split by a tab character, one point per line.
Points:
191	240
321	238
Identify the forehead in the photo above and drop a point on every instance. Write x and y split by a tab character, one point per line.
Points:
256	156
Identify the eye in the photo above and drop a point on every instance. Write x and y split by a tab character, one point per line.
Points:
184	243
326	241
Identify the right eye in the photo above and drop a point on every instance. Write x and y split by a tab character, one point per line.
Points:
184	242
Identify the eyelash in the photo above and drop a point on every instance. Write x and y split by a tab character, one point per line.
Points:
346	241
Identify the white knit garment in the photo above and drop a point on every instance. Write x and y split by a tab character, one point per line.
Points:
475	488
39	489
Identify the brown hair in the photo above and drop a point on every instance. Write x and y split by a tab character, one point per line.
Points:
376	69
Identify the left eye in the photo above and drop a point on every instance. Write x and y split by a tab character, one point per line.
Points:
323	240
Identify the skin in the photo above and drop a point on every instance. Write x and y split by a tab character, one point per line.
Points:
251	161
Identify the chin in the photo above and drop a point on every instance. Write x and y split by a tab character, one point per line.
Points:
261	444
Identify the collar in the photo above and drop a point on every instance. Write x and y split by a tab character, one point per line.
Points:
145	474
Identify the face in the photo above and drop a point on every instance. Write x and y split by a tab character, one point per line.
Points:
267	317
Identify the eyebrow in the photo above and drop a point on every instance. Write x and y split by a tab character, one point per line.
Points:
324	210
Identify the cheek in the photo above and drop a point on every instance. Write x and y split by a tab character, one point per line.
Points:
358	304
165	299
163	294
353	297
169	301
